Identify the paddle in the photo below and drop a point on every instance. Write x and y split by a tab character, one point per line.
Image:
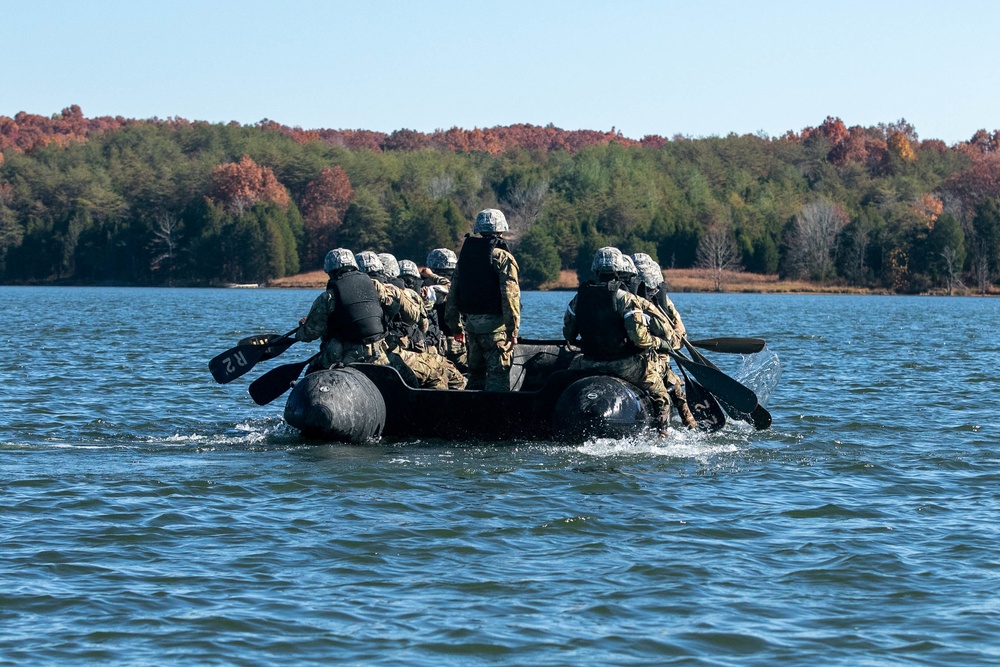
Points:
730	345
725	388
726	345
706	409
759	416
237	361
276	381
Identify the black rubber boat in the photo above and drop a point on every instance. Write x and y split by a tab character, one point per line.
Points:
546	402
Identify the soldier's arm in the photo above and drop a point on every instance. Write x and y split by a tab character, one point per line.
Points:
636	322
315	324
510	302
660	324
410	308
675	318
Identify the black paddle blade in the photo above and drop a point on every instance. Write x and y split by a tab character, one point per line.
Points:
235	362
731	345
706	410
759	416
275	382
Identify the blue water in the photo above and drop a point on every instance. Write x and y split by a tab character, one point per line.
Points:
151	516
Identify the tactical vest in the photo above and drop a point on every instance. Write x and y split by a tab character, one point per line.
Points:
478	283
399	330
397	281
357	313
601	328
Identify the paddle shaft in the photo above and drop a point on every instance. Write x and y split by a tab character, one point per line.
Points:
759	416
276	381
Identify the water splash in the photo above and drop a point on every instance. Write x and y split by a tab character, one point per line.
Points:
760	372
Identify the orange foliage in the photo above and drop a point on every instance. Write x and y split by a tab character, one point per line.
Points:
900	146
928	208
240	185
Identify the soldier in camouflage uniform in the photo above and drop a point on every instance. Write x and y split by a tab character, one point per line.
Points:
613	333
437	275
410	275
348	317
484	304
405	334
649	285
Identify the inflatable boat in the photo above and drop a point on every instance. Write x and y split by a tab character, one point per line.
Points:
547	401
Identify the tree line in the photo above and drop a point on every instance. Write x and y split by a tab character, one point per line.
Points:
177	202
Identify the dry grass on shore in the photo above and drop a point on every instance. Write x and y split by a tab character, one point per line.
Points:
678	280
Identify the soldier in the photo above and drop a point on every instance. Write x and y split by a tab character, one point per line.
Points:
348	317
613	334
405	335
437	275
649	286
390	269
433	336
484	303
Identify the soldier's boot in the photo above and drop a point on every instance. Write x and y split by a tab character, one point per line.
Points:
686	416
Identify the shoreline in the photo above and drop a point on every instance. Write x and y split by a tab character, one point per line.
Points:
676	280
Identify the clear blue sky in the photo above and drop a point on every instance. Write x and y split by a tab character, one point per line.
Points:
688	67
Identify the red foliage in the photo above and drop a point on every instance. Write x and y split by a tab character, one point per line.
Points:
240	185
976	184
323	205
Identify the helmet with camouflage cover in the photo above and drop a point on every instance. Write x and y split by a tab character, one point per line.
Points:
607	260
369	262
649	271
627	269
441	258
339	258
389	264
490	221
409	269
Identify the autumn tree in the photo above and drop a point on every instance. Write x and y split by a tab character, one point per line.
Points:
323	206
240	185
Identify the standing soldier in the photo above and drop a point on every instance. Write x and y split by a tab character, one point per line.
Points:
348	317
613	333
484	304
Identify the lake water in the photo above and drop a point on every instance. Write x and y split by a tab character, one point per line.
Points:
151	516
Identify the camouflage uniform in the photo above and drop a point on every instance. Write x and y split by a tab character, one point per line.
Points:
336	352
453	350
489	338
410	354
644	369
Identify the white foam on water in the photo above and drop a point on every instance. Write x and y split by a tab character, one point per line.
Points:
679	443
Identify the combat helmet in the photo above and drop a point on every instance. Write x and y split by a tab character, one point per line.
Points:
369	262
339	258
649	271
607	260
490	221
441	258
627	269
389	265
409	269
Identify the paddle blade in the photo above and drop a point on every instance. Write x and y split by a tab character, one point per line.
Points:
234	362
706	410
731	345
275	382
